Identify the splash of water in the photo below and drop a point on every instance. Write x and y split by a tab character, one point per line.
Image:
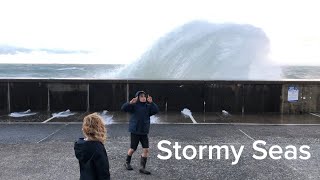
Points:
22	114
63	114
225	113
154	119
107	119
265	71
202	51
187	113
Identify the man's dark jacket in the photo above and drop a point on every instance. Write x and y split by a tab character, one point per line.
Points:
140	116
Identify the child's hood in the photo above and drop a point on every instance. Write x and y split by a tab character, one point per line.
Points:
140	92
84	150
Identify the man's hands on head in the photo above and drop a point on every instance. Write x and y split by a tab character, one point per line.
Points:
133	100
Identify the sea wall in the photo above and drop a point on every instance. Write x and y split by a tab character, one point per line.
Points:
198	96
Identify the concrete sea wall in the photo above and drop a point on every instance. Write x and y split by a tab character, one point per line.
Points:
198	96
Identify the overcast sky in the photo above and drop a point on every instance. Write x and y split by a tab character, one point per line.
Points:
120	31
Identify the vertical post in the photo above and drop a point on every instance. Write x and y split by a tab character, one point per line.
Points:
282	96
127	95
263	96
48	107
204	111
166	106
8	100
243	94
88	97
204	100
242	110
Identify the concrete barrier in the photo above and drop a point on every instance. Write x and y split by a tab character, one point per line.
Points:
198	96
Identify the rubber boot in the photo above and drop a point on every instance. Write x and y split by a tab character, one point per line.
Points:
143	163
127	164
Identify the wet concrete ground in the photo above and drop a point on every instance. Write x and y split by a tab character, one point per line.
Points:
177	117
45	151
30	149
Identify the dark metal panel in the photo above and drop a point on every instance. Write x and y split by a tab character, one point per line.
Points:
220	97
253	98
65	96
262	98
107	96
272	98
28	95
3	98
318	103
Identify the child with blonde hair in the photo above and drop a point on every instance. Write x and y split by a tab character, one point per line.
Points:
90	151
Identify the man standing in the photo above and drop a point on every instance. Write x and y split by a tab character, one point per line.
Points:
141	108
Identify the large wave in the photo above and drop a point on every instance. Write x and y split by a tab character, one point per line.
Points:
202	51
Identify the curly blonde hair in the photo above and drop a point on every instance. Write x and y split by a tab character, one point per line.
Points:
93	128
